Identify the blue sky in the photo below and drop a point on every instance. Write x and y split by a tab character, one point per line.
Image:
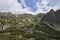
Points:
29	6
30	3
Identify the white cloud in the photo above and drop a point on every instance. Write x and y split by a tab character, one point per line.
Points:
9	5
42	7
55	3
14	7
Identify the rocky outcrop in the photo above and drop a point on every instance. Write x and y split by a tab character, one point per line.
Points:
52	18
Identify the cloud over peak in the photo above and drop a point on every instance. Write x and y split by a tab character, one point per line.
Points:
28	6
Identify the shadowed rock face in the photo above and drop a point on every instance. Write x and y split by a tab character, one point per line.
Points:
52	17
57	14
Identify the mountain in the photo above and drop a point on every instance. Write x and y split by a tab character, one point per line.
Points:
29	27
52	19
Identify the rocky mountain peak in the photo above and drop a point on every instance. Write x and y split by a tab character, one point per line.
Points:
52	17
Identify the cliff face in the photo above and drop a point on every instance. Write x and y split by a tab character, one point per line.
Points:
57	14
49	17
52	19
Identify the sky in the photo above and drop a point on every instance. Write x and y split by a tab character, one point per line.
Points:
28	6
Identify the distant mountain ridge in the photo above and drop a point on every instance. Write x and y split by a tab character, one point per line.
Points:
52	18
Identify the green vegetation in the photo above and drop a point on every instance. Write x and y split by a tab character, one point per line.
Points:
25	27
